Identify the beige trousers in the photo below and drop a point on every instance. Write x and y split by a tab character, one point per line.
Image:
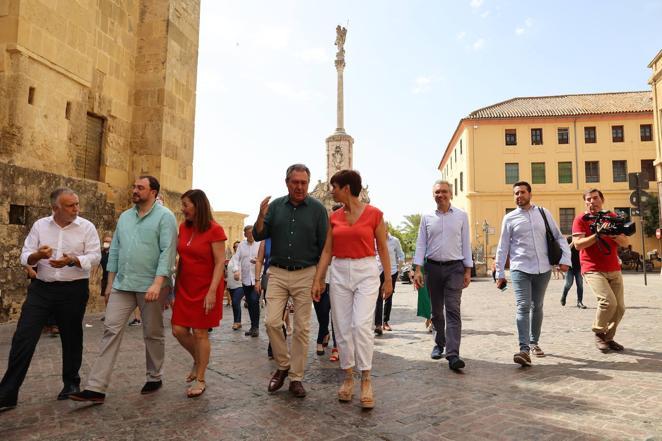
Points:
282	285
120	307
608	290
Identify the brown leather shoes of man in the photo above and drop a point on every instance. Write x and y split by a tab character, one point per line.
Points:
277	380
615	346
601	342
296	388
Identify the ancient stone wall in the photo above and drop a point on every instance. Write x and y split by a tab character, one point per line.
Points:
24	199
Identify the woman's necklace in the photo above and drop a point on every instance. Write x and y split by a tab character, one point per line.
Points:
188	244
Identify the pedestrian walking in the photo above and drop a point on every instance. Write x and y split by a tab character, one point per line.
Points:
353	280
200	285
383	306
297	225
64	247
443	246
601	268
140	263
574	274
523	239
235	287
247	256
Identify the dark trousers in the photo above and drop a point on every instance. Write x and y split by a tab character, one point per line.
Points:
445	283
323	313
67	302
237	294
574	275
383	307
253	300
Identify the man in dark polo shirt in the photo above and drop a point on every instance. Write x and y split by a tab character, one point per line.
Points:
297	226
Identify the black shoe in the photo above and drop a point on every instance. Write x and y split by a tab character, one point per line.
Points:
436	352
378	330
562	300
455	363
88	395
580	305
255	332
7	404
151	386
68	390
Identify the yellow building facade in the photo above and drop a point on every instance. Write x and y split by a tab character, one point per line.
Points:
656	84
561	145
233	224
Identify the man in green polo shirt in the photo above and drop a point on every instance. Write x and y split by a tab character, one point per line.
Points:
297	225
140	263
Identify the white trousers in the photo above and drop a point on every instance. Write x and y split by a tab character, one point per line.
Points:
353	288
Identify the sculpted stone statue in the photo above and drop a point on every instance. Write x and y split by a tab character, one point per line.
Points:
337	158
341	34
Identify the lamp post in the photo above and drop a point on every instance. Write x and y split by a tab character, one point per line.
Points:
486	229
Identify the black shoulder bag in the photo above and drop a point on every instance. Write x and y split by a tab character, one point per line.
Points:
553	248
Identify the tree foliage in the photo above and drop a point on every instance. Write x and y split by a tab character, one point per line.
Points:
406	232
651	215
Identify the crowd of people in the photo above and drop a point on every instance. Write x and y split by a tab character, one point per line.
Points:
296	256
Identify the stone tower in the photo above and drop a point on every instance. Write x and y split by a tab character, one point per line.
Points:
339	145
92	94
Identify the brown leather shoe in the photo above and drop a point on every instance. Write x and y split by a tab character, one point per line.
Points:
601	342
277	380
296	388
615	346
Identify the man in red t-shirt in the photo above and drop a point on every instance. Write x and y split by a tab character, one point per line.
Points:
601	270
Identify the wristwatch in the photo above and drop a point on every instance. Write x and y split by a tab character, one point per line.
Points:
72	263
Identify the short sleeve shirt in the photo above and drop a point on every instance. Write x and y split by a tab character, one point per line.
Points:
358	240
593	258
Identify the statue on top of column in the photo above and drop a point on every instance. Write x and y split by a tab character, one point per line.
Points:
341	34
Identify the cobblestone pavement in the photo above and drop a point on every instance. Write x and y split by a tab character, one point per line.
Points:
575	393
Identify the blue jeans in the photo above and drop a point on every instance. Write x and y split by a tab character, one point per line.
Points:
253	300
529	298
237	294
574	275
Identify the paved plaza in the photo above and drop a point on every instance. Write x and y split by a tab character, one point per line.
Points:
575	393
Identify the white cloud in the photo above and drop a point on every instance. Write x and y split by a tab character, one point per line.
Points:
478	44
422	84
485	14
315	55
521	30
475	4
287	90
461	35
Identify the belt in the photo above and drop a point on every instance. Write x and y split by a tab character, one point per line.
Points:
291	267
448	262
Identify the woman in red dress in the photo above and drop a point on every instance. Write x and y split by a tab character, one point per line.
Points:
199	284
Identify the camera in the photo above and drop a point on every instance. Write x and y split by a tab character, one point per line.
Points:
613	225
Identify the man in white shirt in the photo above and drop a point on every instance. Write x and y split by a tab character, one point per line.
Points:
64	247
444	247
523	238
233	275
383	307
247	254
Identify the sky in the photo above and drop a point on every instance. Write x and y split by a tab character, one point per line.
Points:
266	90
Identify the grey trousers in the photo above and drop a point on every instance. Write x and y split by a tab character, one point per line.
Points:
445	283
120	307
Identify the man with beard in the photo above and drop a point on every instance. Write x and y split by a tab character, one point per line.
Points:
523	238
140	262
601	270
64	247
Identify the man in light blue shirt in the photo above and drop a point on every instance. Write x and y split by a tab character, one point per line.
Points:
383	307
523	238
444	246
140	263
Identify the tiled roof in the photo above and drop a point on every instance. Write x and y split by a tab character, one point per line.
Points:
568	105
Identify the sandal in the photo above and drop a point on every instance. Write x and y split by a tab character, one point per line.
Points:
197	389
334	355
193	375
325	340
236	326
320	349
387	327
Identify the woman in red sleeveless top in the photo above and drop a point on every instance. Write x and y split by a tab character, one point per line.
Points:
353	279
199	284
